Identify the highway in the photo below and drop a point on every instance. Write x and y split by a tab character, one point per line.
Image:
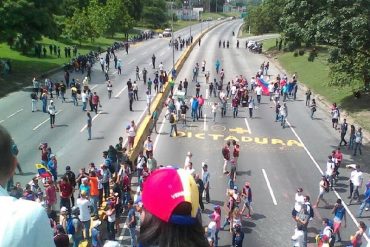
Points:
68	139
274	160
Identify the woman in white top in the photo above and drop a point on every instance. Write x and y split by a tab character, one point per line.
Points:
111	217
237	218
52	111
131	131
214	111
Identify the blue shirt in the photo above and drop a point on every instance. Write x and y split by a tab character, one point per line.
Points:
194	104
130	214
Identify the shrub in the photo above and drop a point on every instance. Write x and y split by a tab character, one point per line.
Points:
295	53
301	52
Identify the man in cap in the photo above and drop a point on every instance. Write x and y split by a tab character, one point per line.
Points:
84	206
22	221
71	176
77	236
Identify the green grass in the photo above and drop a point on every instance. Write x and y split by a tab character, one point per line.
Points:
315	75
214	16
269	45
180	24
25	67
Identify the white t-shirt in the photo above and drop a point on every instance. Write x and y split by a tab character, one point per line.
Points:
83	97
187	160
271	88
327	231
356	178
23	223
161	66
258	90
329	168
131	131
84	204
233	89
299	200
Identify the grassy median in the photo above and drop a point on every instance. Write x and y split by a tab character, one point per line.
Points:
315	75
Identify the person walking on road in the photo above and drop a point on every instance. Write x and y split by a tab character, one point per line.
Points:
131	222
308	97
186	84
34	101
194	108
356	180
343	132
339	215
247	195
352	137
89	125
214	111
145	73
365	202
137	73
44	100
148	101
131	98
324	187
154	122
258	91
109	89
358	142
52	112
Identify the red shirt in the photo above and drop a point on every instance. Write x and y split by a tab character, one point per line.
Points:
65	189
236	150
95	99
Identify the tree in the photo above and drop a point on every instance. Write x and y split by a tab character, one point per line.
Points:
155	13
79	27
299	20
264	17
346	28
23	22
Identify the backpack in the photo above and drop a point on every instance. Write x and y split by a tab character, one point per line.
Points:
225	153
172	119
312	213
326	185
70	226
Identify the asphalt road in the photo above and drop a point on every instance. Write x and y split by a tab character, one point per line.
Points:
290	157
284	158
68	139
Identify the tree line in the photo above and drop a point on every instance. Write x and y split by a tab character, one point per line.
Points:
23	22
342	25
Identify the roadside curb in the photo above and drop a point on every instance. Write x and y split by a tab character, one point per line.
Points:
157	103
325	104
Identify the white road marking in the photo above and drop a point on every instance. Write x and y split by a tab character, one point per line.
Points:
15	113
133	60
92	120
322	173
246	123
206	93
160	131
38	126
1	121
119	93
269	187
205	122
92	88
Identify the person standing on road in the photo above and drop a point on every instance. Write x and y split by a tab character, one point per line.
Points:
84	100
95	102
247	195
84	206
302	220
131	98
71	178
226	156
200	185
313	107
154	121
200	108
145	72
205	178
119	67
235	105
44	100
109	89
153	61
308	97
89	125
137	73
335	115
135	89
34	101
131	222
358	142
352	137
194	108
356	179
258	91
343	132
52	112
339	214
214	111
173	123
251	106
186	84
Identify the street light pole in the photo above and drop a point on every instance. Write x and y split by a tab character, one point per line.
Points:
173	45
